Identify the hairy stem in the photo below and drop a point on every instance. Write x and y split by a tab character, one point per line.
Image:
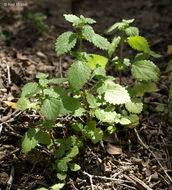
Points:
121	58
52	138
86	104
80	44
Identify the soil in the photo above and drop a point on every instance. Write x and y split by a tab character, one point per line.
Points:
144	160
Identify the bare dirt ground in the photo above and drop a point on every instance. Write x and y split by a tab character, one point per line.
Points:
146	159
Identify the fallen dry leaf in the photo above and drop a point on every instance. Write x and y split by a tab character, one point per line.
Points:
11	104
169	51
114	150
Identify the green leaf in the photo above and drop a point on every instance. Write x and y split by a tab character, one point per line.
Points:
78	74
74	167
100	71
96	39
169	67
101	42
29	89
41	76
57	186
43	82
98	135
77	126
145	70
23	104
90	21
29	141
73	152
111	129
115	93
134	119
135	106
114	27
124	121
92	101
97	60
42	188
43	137
132	31
160	108
62	164
141	56
65	42
61	175
105	116
71	18
139	43
58	80
113	45
51	108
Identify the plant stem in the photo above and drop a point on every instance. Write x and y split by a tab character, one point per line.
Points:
121	58
80	44
52	138
86	104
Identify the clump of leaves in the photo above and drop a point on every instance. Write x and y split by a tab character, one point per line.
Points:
39	20
104	105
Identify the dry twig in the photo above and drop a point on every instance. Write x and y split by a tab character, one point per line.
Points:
146	147
10	181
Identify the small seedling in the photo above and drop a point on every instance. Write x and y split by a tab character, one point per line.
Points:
39	20
103	106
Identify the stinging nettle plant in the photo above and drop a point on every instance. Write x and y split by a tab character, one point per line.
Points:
104	105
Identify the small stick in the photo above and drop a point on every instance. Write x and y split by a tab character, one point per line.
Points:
10	181
9	75
106	178
146	147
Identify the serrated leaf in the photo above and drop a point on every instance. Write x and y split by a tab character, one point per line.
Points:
74	167
51	108
143	87
43	137
78	74
100	42
23	103
71	18
92	101
73	152
77	126
124	121
65	42
43	82
58	80
97	60
29	141
134	121
135	106
132	31
57	186
96	39
105	116
29	89
61	175
90	21
41	76
128	21
113	45
145	70
114	27
141	56
169	67
100	71
139	43
115	94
